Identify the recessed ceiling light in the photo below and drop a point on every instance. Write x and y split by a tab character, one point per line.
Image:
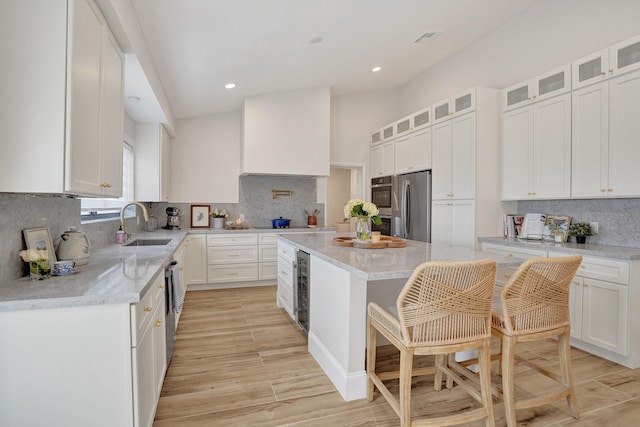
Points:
229	85
316	40
133	99
376	69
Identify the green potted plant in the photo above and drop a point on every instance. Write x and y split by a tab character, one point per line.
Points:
580	230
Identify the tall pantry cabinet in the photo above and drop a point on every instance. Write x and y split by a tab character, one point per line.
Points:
465	168
61	101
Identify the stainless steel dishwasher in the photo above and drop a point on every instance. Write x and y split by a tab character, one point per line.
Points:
171	287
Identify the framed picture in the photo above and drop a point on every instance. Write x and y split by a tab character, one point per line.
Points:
40	239
200	216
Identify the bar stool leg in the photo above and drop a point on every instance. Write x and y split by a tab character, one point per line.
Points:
508	389
564	350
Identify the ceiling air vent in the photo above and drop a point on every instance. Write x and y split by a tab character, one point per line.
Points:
425	36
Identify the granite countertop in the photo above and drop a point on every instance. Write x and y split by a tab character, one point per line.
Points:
261	230
387	263
603	251
114	275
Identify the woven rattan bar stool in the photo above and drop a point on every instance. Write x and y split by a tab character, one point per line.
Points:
444	307
534	306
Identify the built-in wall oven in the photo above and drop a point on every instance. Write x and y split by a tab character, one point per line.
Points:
382	197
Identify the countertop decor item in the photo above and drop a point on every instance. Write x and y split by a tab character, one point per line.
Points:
385	242
75	245
40	239
39	266
218	217
200	216
365	212
580	230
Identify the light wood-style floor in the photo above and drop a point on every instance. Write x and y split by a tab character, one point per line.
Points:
241	361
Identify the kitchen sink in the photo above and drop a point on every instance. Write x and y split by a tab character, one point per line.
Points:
149	242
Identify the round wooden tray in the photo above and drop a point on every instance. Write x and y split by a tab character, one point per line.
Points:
385	242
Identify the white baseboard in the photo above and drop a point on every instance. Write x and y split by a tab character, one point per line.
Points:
350	385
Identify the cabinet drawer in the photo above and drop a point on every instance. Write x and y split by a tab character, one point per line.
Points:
268	253
232	254
232	273
286	269
267	270
601	268
232	239
522	253
286	251
267	239
141	313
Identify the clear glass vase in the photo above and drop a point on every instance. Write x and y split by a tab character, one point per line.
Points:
363	228
39	270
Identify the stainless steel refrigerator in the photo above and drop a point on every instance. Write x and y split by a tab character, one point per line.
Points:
411	206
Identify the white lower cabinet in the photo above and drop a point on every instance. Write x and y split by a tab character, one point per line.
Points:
599	303
95	365
453	222
195	259
513	251
599	313
286	278
267	256
603	302
149	352
232	257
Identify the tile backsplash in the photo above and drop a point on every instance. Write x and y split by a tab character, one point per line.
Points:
618	219
23	211
619	222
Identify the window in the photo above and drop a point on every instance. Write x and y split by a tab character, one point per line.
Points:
96	208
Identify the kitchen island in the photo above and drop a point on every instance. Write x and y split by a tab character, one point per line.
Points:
343	280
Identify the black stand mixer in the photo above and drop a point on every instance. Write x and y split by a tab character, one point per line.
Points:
173	219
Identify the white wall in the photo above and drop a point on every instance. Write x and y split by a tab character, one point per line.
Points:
338	193
205	159
354	118
547	35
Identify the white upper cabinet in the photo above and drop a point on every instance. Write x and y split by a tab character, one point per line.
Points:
388	132
413	142
454	158
376	137
415	121
455	105
598	66
605	145
552	83
413	151
383	159
152	160
536	150
67	122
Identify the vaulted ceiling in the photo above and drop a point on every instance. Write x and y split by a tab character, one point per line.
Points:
265	46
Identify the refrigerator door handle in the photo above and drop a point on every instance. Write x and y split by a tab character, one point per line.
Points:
407	209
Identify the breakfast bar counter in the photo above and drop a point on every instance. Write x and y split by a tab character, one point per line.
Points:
343	280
